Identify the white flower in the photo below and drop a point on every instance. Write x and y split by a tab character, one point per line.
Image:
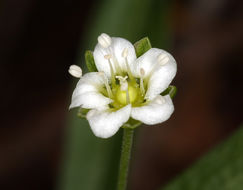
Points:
125	86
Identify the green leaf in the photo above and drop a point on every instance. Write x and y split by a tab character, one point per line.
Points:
171	90
221	168
142	46
89	60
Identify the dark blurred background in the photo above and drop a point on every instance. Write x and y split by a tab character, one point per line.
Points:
39	40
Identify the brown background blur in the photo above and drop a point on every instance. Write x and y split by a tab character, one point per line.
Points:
40	39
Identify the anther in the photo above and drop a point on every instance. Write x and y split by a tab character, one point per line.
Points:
101	73
108	56
142	72
104	40
125	53
159	100
163	59
75	71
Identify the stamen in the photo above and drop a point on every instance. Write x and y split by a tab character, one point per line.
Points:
159	100
108	57
104	40
142	72
75	71
125	54
162	59
108	88
116	64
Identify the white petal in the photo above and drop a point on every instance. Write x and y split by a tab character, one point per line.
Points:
115	50
90	100
159	76
86	93
156	111
105	123
160	80
93	78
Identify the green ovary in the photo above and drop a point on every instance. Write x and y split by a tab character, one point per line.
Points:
121	96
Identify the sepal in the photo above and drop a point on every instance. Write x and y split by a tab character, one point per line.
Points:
142	46
89	60
171	90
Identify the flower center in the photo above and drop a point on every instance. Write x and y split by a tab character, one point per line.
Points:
123	87
126	93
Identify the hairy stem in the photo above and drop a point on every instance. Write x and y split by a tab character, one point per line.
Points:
127	141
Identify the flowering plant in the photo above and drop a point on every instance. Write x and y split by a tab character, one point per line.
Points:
128	85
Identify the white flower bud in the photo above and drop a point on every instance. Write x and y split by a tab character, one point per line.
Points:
104	40
75	71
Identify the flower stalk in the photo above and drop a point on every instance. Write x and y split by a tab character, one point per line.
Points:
127	141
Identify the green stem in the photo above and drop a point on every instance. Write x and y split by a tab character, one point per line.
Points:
127	141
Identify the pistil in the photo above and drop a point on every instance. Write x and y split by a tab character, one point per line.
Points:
124	87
